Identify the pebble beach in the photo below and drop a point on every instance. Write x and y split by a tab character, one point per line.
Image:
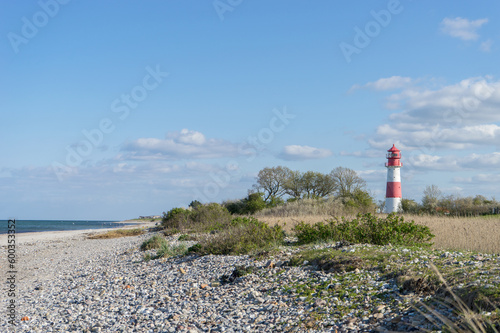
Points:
70	283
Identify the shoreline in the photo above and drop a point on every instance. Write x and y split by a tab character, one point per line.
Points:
29	237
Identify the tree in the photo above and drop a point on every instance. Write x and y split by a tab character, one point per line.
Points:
195	204
253	203
409	206
431	198
308	183
271	181
346	181
323	185
293	185
361	200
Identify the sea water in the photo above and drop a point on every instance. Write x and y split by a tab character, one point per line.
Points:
57	225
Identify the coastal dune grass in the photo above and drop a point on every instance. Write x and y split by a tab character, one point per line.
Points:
118	233
162	247
245	235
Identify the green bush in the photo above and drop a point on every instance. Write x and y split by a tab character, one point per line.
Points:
154	242
244	235
164	249
236	207
200	219
254	203
167	250
186	237
368	229
249	205
176	218
210	217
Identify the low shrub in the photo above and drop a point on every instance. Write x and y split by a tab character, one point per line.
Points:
366	228
186	237
167	250
164	249
249	205
243	236
154	242
176	218
210	217
201	218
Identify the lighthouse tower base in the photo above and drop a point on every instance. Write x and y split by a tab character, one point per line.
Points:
393	205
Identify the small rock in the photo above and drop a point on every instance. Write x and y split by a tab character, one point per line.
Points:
320	303
270	264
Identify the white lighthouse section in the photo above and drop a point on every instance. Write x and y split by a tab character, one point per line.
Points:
393	174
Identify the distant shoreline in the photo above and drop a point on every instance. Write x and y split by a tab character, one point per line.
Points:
29	237
26	226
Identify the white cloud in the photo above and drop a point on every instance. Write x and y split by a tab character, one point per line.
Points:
473	100
390	83
188	137
451	162
296	152
186	144
462	28
373	175
430	162
486	45
366	153
460	116
486	178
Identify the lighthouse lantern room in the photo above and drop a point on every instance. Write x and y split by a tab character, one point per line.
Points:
393	191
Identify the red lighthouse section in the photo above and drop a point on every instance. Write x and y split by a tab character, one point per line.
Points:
394	157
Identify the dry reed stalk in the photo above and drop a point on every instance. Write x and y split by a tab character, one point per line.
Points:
480	234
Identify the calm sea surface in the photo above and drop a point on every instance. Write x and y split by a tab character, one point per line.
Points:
57	225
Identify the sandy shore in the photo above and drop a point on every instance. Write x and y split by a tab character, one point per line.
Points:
28	237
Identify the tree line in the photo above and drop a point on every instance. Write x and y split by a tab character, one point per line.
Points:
275	185
435	202
277	182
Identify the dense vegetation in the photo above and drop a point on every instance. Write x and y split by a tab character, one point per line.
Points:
435	203
367	229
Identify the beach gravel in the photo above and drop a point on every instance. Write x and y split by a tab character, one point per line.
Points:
105	285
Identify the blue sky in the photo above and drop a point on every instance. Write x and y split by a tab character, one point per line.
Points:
111	111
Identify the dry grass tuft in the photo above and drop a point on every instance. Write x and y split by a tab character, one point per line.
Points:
118	233
469	320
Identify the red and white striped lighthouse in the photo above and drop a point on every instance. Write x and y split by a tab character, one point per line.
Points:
393	191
